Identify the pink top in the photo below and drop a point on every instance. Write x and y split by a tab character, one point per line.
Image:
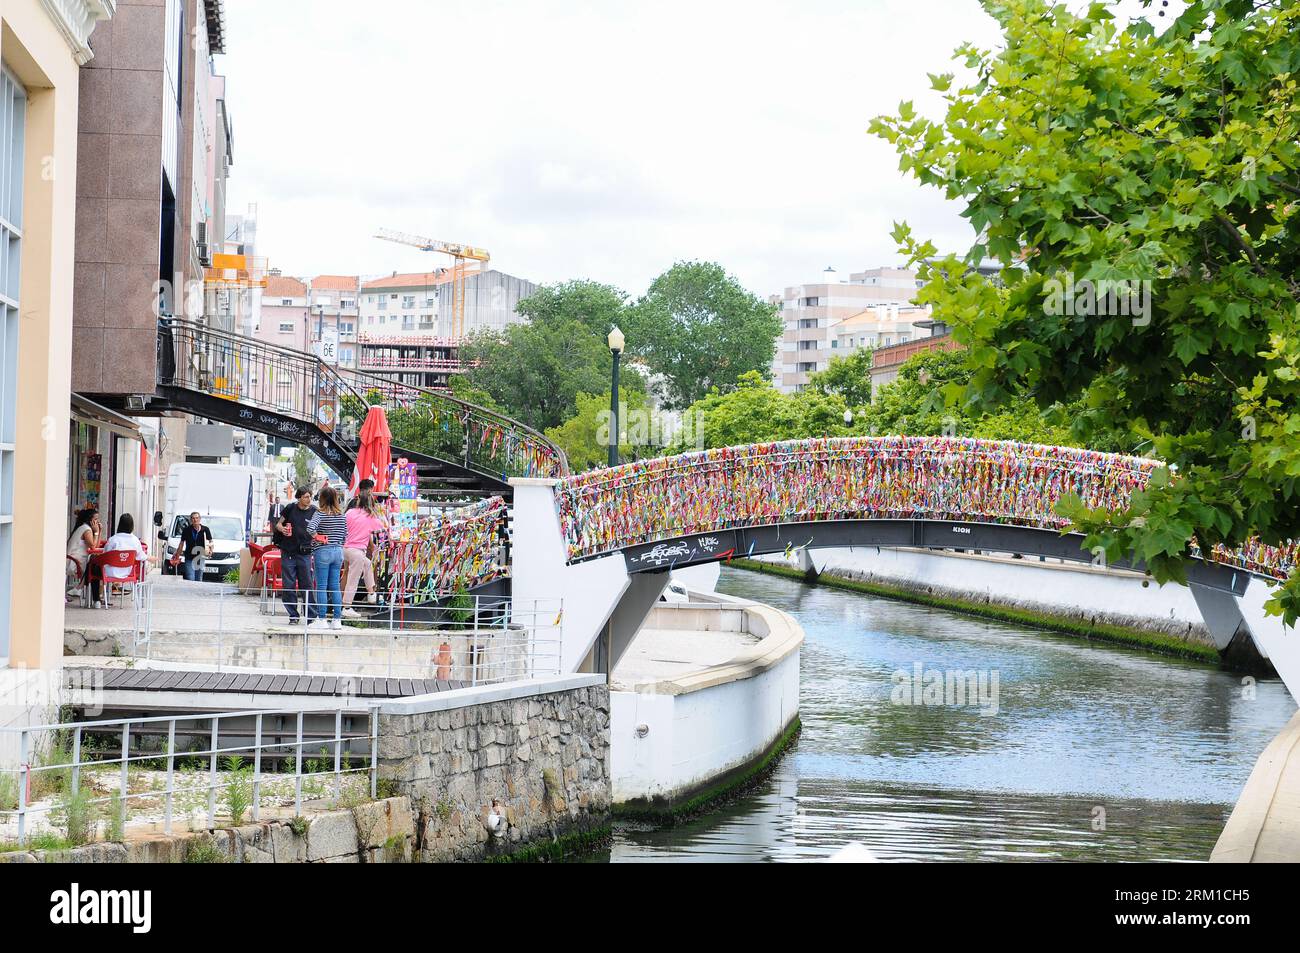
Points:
360	525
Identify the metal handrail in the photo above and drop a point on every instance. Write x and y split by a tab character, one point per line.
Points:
273	377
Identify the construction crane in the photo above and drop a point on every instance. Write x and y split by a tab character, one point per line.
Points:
460	255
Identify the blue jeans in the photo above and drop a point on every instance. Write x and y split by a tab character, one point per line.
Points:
191	569
329	562
296	578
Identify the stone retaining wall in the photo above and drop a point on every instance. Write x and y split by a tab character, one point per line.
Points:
375	832
543	755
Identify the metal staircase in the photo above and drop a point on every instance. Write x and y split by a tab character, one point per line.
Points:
461	450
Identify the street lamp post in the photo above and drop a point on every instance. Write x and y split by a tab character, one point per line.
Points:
616	343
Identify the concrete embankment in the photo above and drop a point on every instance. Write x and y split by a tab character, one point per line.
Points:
702	704
1114	606
1265	824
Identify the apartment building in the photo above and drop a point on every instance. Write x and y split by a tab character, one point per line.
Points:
155	147
811	312
42	47
421	303
319	315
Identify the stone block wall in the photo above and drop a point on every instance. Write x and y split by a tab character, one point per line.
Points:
544	758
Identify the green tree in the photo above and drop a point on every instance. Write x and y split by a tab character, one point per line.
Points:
1085	151
700	329
850	377
535	372
596	306
584	437
756	412
304	468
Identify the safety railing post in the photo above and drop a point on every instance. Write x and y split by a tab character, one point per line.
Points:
171	776
212	777
221	618
374	753
125	781
338	755
297	770
257	769
24	784
76	760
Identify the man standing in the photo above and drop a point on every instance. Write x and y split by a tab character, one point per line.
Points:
294	540
196	547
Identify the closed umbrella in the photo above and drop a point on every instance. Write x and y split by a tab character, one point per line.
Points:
375	451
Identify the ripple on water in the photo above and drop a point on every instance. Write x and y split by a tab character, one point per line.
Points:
1162	746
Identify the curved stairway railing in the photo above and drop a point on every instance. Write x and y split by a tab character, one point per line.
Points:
297	395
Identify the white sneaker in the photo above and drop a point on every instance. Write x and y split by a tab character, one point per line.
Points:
372	598
351	614
317	624
336	623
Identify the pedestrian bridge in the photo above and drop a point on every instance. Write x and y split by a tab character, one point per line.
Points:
605	540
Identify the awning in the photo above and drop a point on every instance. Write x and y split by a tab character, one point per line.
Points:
89	412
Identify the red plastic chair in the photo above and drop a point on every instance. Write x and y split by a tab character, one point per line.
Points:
120	559
270	561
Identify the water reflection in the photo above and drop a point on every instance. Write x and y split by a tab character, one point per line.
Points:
1161	746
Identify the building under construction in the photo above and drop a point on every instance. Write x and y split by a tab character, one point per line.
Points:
406	321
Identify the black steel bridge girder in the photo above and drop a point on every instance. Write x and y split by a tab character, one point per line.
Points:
698	548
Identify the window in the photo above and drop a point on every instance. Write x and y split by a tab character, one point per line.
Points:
345	327
807	345
13	124
383	303
807	322
286	327
428	302
835	344
426	322
287	302
370	320
811	302
408	301
408	322
347	303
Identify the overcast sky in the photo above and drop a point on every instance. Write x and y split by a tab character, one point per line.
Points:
600	140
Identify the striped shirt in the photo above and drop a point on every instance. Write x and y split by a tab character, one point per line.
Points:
333	526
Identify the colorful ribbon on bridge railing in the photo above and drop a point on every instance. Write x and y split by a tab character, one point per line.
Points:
841	478
446	554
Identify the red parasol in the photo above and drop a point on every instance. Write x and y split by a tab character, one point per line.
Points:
373	456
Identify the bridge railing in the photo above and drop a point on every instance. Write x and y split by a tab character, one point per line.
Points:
851	478
70	776
254	373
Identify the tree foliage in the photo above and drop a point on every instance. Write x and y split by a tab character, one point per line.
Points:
596	306
1086	151
700	329
850	377
536	371
584	437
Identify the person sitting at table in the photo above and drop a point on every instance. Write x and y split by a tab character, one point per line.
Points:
126	539
86	535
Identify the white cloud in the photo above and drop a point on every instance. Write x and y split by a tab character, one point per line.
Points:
585	139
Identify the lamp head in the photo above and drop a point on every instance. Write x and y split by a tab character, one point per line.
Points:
616	340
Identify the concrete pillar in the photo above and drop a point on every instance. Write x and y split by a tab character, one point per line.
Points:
589	591
46	67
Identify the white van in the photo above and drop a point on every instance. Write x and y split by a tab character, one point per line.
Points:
220	494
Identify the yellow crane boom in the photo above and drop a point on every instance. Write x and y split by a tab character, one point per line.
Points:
460	253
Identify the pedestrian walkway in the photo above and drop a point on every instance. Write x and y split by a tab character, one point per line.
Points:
1265	825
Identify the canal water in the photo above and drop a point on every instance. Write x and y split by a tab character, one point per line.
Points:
1083	752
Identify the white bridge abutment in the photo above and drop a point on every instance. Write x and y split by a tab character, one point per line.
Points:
602	602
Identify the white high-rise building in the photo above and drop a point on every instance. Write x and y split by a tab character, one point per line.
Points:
836	316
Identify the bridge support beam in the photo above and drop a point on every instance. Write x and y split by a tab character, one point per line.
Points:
600	599
1221	612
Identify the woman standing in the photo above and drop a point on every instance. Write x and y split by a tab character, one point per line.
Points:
330	529
364	517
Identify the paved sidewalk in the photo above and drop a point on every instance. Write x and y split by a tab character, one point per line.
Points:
1265	825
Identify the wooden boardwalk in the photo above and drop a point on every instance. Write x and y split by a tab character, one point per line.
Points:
356	686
